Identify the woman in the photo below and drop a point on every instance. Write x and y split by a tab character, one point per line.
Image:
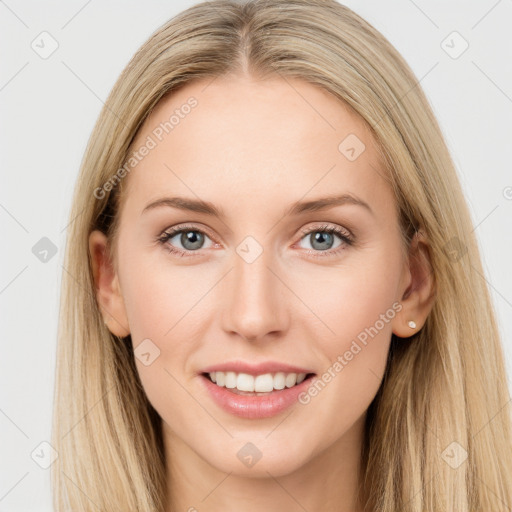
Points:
272	297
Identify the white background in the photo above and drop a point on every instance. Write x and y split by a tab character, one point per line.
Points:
48	108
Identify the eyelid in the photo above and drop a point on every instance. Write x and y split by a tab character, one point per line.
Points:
178	228
326	227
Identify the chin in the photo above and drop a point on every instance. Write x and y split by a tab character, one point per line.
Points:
258	458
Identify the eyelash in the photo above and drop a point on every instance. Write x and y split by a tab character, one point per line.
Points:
346	238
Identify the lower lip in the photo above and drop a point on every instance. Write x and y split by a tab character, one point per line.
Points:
253	406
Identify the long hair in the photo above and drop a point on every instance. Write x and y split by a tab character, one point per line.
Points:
438	433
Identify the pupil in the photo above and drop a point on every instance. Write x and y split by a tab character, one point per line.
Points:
321	237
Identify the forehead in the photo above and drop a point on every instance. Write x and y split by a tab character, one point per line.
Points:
224	138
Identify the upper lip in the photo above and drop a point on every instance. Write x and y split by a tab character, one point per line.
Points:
255	369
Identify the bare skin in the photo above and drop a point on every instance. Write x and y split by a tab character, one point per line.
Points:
254	148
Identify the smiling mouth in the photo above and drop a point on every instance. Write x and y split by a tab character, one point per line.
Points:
259	385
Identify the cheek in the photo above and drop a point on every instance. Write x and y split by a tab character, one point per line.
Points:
355	297
356	350
158	294
357	302
159	303
165	304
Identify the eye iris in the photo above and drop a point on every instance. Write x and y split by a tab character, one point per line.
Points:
321	237
194	237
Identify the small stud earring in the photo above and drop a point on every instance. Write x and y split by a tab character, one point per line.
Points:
412	324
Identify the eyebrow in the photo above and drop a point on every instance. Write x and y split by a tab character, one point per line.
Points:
323	203
200	206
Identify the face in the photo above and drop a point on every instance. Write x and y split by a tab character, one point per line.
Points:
273	277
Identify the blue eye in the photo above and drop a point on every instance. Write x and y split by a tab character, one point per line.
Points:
322	238
192	239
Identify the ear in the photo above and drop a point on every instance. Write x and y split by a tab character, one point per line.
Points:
418	289
108	292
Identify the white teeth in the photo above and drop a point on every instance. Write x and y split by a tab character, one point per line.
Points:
244	382
220	378
279	380
230	380
291	380
264	383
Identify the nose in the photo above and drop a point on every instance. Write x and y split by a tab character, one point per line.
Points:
255	306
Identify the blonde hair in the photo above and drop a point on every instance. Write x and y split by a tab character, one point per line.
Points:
444	385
